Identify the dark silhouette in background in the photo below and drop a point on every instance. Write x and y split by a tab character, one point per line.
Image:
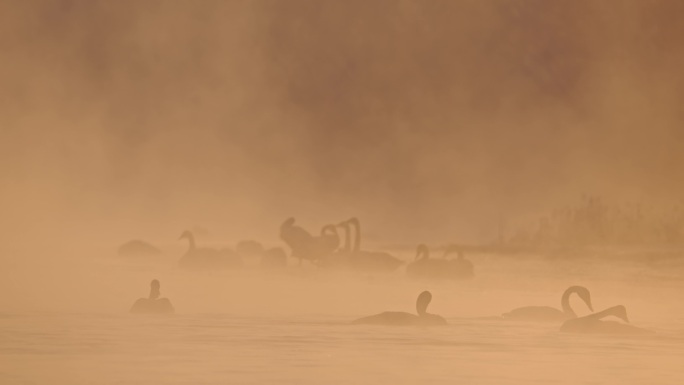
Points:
550	314
370	261
207	258
400	318
424	267
153	304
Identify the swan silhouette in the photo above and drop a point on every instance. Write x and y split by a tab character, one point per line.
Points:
138	248
425	267
550	314
207	258
153	304
401	318
323	246
296	238
340	258
306	246
593	324
371	261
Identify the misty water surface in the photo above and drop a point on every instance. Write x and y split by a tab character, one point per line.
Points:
439	122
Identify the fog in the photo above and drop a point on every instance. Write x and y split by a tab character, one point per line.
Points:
444	122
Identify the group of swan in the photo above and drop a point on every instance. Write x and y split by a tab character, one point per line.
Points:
324	250
206	258
590	324
571	323
425	267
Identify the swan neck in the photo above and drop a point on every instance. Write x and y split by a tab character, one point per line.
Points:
154	292
191	240
357	234
422	303
347	238
565	304
603	313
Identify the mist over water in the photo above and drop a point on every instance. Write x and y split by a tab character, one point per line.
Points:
474	123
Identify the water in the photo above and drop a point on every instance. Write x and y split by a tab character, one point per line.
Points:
208	349
293	328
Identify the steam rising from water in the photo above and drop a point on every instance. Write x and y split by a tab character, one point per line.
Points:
434	122
442	114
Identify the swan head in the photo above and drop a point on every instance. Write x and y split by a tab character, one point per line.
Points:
288	222
422	302
422	251
583	293
620	312
186	234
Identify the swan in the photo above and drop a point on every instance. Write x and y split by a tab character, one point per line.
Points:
207	258
592	324
340	258
306	246
403	318
298	239
138	248
424	267
378	261
549	314
153	304
460	267
322	247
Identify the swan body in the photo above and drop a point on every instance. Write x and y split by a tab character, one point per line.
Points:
593	324
550	314
138	248
153	304
207	258
306	246
369	261
296	238
328	241
399	318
